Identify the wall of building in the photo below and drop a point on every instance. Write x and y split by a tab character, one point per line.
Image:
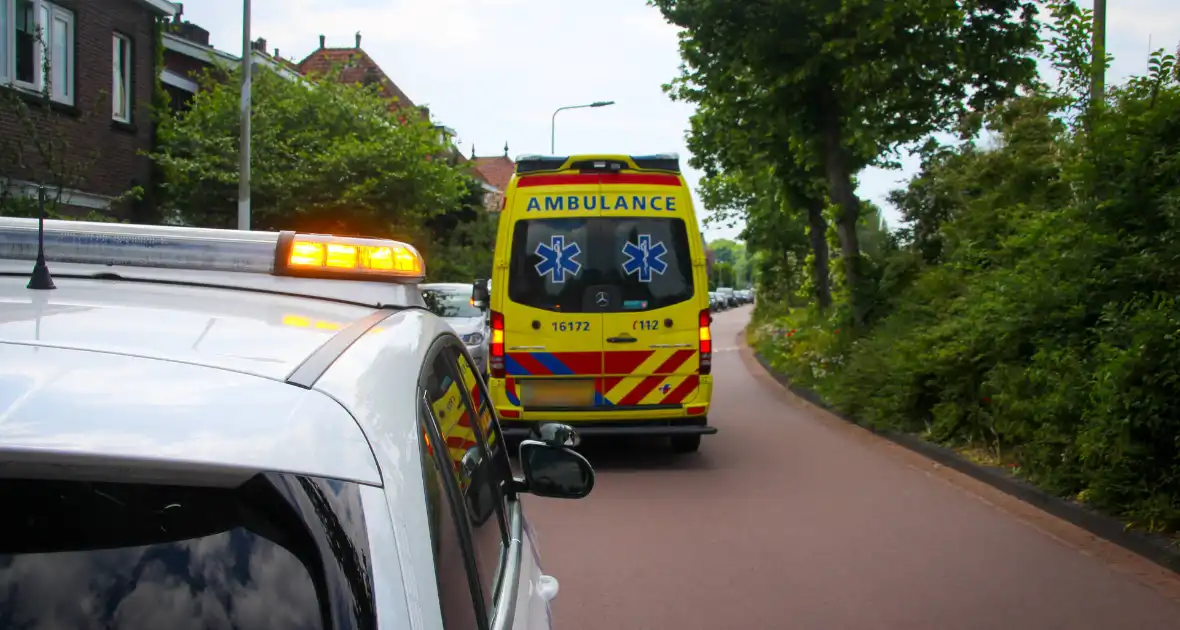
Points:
105	156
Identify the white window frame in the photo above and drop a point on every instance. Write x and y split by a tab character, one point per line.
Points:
61	93
127	85
6	37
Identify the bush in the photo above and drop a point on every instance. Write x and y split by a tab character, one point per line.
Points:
1031	309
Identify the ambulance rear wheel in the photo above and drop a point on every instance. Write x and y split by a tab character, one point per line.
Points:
686	443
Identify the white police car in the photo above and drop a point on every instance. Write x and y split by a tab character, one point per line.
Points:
223	429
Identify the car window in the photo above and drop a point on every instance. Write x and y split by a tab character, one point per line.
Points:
472	473
278	552
561	265
453	573
450	303
488	428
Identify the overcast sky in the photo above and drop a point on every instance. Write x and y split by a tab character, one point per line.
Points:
495	70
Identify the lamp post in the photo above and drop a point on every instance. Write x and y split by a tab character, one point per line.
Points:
244	140
553	121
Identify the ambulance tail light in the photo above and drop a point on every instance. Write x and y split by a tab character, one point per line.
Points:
706	343
496	365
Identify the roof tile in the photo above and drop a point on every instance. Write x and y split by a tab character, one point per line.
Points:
356	66
496	170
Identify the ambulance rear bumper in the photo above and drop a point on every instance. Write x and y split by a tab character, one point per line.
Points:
616	428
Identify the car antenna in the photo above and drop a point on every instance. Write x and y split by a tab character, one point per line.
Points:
41	280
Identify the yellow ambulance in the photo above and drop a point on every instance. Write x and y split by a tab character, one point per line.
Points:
599	301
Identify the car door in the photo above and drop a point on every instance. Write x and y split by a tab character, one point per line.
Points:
531	610
552	331
465	484
651	332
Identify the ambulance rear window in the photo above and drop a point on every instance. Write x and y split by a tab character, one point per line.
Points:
563	265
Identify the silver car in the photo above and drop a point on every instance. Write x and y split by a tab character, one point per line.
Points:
452	302
253	430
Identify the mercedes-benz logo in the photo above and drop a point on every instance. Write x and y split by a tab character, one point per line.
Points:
602	299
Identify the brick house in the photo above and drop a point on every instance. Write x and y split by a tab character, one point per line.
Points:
497	172
100	56
187	54
355	66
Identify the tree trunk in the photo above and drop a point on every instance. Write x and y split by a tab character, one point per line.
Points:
819	246
843	194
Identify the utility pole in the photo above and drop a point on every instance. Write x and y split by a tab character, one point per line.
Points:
1098	85
244	140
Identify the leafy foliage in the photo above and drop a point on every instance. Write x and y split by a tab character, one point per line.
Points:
818	90
1029	307
325	157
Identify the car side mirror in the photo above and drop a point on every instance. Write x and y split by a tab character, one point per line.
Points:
555	471
480	295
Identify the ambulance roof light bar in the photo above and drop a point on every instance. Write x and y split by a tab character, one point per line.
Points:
275	253
529	163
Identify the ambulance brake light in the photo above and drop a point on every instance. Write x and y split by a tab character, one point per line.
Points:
706	342
496	363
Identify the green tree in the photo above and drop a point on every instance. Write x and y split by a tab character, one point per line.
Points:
325	157
1029	312
460	242
843	85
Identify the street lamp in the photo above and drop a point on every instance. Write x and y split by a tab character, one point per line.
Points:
553	122
244	139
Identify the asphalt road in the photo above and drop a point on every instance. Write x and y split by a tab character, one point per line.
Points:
789	518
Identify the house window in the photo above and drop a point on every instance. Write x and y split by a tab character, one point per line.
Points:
35	34
121	71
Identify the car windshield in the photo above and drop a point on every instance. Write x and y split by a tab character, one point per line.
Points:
600	264
450	303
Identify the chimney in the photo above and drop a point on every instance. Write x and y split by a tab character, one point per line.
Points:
473	150
191	32
179	12
505	149
358	39
321	41
277	53
260	45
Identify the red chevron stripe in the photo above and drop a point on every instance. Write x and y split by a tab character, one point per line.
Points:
589	363
682	391
531	364
645	386
459	442
609	383
625	361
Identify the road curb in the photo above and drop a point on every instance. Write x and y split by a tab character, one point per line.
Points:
1155	548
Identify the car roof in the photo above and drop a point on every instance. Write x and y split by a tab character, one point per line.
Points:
83	410
204	363
254	333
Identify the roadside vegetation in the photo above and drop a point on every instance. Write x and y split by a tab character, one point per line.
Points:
1027	311
326	157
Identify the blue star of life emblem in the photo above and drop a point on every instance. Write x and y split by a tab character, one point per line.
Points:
665	388
645	258
557	259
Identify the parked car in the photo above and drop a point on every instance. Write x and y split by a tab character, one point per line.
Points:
728	296
452	302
